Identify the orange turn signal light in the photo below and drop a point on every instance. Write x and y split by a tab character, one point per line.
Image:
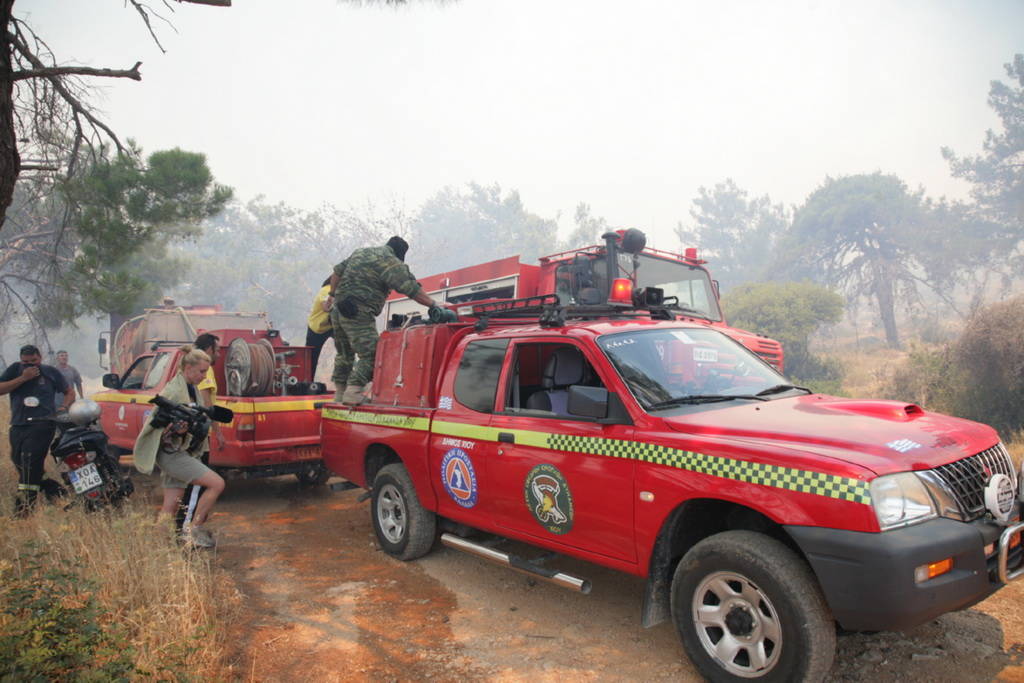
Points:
929	571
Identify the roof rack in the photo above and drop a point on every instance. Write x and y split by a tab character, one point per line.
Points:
547	310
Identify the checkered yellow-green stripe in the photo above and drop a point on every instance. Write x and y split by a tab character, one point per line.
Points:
803	481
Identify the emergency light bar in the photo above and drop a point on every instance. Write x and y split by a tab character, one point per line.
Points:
622	292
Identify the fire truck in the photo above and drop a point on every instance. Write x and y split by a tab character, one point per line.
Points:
621	429
577	276
266	382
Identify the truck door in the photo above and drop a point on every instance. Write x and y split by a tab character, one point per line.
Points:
153	381
120	409
460	442
556	476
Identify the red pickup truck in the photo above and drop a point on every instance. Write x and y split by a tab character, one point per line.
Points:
276	428
761	514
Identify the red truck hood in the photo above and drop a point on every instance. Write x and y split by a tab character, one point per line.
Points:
883	436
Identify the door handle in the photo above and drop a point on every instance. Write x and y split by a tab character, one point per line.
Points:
506	437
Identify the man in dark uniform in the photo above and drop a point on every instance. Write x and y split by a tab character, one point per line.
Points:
360	285
33	387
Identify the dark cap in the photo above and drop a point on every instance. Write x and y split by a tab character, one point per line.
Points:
399	246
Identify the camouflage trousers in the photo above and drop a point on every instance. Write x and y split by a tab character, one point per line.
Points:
353	337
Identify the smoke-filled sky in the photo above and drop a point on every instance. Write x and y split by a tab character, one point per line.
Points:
628	106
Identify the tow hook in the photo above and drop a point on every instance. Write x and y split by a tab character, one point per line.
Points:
1004	551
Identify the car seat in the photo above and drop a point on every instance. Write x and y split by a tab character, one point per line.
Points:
564	368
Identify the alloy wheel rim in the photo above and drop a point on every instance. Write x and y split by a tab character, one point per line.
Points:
736	624
391	513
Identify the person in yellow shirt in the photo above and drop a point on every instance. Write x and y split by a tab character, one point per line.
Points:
319	326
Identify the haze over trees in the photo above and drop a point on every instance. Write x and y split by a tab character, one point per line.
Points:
460	227
734	231
97	242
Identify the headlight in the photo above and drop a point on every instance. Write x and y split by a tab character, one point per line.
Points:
901	499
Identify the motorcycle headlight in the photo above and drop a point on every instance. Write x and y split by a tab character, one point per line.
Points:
901	499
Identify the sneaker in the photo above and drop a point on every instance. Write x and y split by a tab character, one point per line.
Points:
197	537
353	395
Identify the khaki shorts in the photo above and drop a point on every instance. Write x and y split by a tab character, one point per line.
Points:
178	469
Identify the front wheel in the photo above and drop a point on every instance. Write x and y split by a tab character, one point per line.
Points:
404	528
748	608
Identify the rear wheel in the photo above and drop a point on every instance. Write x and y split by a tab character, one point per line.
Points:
748	608
404	528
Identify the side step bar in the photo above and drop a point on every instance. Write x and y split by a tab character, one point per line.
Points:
517	563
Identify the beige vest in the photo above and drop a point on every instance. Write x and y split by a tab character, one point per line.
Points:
148	442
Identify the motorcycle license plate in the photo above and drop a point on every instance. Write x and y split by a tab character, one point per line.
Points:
85	477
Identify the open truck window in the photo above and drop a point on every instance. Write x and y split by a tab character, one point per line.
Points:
136	374
541	376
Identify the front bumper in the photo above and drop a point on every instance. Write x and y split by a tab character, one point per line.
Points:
868	578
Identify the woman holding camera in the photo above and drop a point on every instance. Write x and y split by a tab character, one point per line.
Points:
176	451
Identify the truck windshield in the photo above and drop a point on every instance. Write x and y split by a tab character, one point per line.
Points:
667	368
690	284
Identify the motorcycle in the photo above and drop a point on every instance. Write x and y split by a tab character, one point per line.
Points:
83	459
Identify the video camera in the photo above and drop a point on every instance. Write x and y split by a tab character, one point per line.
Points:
197	417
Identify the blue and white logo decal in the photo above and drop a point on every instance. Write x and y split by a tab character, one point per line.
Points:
445	403
458	477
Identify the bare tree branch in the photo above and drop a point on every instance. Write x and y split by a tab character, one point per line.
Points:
144	12
58	85
45	72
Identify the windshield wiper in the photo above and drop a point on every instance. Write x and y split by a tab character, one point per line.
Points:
703	398
692	312
779	388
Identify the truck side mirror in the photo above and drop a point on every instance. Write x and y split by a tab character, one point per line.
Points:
588	401
101	346
111	380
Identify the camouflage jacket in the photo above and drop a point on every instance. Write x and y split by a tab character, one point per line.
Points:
369	275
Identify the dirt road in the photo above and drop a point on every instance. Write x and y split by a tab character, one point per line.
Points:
321	603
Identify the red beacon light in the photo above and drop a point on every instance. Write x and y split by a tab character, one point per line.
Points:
691	253
622	291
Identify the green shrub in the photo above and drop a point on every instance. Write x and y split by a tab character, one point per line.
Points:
789	312
979	376
51	628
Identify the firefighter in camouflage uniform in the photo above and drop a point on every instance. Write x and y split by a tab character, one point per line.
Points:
360	284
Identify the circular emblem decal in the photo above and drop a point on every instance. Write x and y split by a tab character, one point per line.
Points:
120	413
549	499
458	477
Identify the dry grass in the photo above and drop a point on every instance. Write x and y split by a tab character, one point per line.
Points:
1015	444
172	604
869	374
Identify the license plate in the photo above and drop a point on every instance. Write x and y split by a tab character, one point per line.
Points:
85	477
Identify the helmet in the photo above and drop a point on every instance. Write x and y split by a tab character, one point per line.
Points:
84	411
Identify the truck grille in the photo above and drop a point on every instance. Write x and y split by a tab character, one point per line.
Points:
966	479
